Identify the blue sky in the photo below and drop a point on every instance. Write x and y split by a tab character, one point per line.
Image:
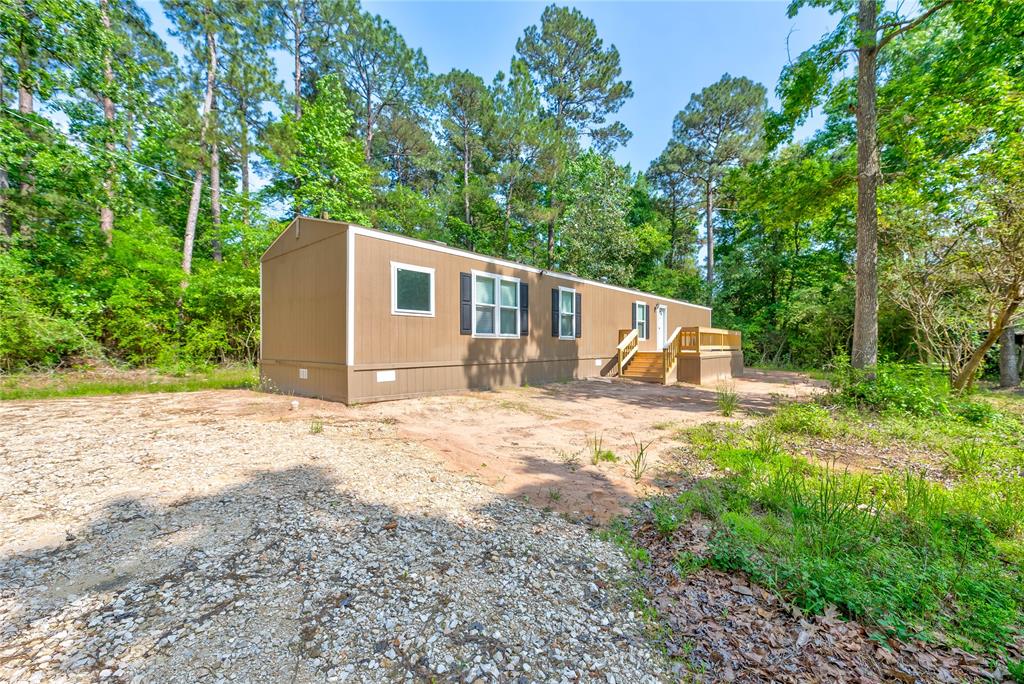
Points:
668	49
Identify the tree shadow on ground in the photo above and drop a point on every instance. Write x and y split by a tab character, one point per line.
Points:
677	397
286	576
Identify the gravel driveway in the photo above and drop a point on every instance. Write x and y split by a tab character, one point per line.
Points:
217	536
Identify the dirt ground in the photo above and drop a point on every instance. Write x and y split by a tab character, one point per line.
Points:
537	442
229	534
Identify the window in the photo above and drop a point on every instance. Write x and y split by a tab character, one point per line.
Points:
641	319
566	313
495	305
412	290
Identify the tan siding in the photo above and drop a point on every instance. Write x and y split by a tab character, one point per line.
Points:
709	368
303	308
304	322
429	354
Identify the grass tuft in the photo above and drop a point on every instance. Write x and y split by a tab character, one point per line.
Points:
727	398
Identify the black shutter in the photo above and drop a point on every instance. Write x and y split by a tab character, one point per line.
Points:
579	315
524	310
633	327
465	304
647	321
554	312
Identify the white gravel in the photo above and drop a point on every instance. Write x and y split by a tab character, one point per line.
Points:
213	537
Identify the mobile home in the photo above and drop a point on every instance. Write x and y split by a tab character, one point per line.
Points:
357	315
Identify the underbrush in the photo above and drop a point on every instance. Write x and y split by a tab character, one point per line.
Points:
913	406
79	384
908	556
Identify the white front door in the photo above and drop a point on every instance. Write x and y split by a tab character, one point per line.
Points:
662	324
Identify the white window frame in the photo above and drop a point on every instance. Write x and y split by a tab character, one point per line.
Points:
562	313
497	306
642	306
395	311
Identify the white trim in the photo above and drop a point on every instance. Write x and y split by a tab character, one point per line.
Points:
561	313
395	311
660	329
260	360
497	305
401	239
350	296
647	324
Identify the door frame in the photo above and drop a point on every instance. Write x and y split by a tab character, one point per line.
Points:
661	325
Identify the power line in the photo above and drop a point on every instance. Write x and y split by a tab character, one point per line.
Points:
122	155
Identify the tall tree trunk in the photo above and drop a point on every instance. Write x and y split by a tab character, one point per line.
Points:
190	226
26	107
965	377
297	25
865	317
26	101
709	224
5	181
107	210
197	185
368	136
551	243
243	161
465	175
5	188
215	197
1009	369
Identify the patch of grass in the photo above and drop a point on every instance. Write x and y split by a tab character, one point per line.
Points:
31	386
808	419
598	454
316	426
911	557
618	532
727	398
663	425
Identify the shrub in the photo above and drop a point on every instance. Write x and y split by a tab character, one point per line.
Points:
30	334
976	412
903	388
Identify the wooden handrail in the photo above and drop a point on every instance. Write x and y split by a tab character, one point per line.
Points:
669	355
629	342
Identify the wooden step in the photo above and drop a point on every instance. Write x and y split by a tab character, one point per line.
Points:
645	367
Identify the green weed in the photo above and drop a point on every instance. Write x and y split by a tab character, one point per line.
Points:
967	458
688	563
598	454
638	460
727	398
316	426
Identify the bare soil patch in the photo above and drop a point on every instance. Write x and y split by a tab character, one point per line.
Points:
536	443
